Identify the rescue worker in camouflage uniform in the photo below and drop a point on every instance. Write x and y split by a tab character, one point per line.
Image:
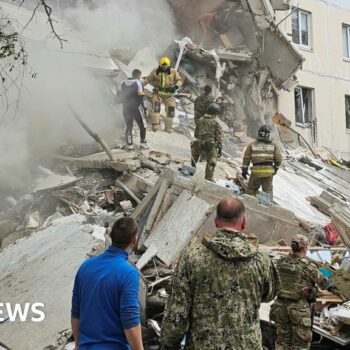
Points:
217	289
291	312
202	103
266	158
208	133
165	81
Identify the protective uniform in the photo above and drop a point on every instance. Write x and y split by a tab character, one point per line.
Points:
266	158
165	81
201	105
209	140
291	312
216	293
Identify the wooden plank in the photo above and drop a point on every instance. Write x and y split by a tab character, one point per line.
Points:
157	203
177	227
146	256
140	209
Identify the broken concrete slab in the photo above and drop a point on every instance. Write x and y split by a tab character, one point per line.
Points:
122	161
325	202
159	157
291	191
55	182
178	226
41	268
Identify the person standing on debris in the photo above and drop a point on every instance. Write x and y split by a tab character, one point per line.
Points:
105	309
217	288
165	81
291	312
266	158
134	108
202	103
209	140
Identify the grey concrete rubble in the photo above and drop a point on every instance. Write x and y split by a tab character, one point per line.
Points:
46	234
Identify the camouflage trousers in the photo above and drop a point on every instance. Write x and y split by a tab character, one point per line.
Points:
209	150
255	182
293	324
169	103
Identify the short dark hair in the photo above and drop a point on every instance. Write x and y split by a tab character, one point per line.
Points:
230	210
136	72
207	89
123	232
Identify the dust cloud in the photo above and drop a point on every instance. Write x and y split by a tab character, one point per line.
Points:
44	120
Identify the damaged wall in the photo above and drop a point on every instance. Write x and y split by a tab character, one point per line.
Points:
326	72
249	85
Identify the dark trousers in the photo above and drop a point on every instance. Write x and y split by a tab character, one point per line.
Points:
131	113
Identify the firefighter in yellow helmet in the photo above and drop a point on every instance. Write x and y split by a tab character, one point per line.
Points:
165	81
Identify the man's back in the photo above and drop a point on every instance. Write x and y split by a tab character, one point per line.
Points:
295	273
208	129
104	288
219	286
201	105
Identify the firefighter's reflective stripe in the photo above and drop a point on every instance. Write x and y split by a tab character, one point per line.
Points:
263	171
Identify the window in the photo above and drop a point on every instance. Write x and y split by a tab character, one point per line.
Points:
346	41
303	105
301	24
347	111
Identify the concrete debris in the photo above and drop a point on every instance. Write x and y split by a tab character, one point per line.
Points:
55	182
177	226
238	49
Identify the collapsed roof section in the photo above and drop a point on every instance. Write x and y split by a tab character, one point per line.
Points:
243	51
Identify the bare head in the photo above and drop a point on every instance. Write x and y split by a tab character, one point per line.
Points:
136	74
230	214
124	233
207	89
299	245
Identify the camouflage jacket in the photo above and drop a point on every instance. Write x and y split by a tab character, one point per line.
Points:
295	274
216	293
201	104
208	129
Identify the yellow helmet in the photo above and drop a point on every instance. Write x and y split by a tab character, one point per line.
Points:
164	61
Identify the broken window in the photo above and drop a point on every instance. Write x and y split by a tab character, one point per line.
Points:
303	105
301	27
347	111
346	41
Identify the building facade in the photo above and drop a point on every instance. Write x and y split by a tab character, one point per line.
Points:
319	105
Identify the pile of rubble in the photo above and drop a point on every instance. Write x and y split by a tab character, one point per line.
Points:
67	212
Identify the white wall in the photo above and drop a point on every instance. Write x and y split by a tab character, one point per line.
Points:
325	71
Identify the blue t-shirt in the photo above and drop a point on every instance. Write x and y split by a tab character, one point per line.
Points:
105	299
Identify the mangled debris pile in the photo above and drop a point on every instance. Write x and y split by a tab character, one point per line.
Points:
238	49
179	210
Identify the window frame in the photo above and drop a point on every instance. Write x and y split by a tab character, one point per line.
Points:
309	29
312	107
347	27
346	127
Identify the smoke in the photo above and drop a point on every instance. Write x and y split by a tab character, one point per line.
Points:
123	24
65	81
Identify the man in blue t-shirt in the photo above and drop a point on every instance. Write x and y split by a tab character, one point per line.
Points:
105	309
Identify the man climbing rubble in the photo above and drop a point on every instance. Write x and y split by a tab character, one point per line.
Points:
132	97
209	140
165	81
217	288
266	158
291	312
202	103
